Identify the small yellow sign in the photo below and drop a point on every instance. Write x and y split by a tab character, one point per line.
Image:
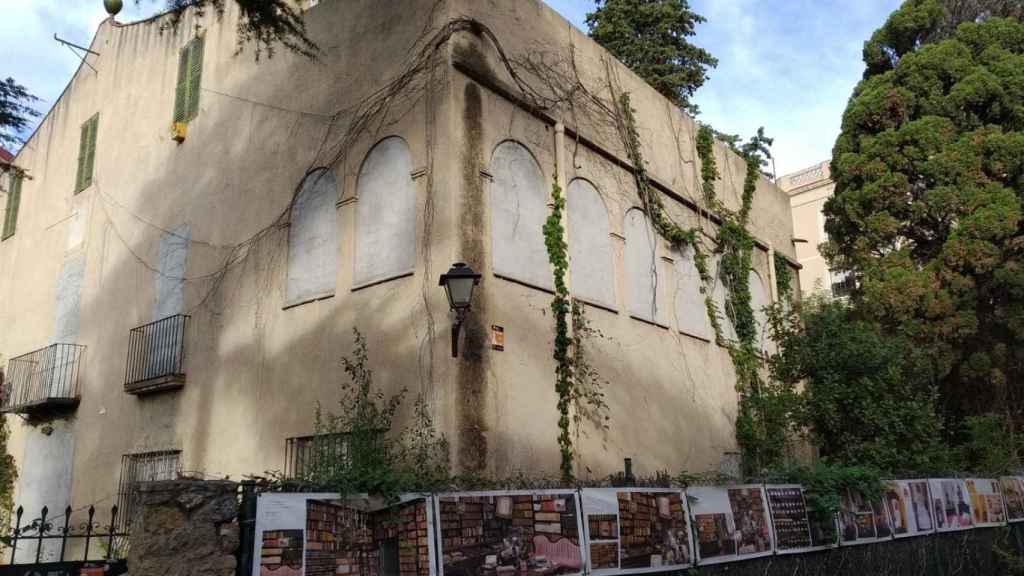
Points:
497	338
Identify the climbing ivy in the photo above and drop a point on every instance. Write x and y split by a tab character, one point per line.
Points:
577	382
783	278
554	240
762	421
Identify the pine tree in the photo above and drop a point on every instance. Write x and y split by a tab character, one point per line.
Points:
652	38
927	211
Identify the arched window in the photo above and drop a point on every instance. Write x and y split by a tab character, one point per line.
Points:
385	243
313	239
758	302
690	308
641	268
590	250
519	199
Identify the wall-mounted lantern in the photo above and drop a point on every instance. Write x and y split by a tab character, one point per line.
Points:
458	284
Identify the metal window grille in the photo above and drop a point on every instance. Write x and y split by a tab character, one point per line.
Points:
843	284
308	457
143	467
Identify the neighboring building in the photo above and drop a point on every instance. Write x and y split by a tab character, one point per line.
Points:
189	300
808	190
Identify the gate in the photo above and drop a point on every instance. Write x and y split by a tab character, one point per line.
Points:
46	547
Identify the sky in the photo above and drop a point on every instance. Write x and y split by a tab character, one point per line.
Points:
787	65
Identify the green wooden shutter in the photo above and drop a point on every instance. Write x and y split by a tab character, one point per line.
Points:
83	145
181	91
195	74
90	158
86	153
13	201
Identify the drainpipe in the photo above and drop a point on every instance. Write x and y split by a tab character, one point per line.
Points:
560	178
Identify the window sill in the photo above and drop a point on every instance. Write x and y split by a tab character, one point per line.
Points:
309	300
525	283
651	322
701	337
598	305
370	283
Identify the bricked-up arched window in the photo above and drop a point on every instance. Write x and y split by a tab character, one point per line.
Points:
313	239
590	248
385	243
759	300
642	269
519	205
690	307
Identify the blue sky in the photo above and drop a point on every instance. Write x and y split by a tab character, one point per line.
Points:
787	65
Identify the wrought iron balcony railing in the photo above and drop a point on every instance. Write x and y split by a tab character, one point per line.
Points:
43	380
156	356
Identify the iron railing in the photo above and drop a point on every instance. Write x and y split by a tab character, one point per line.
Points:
156	351
44	378
47	529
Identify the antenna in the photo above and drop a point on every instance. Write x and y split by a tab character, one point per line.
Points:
71	46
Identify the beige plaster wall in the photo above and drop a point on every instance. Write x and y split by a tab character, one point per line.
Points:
808	191
256	370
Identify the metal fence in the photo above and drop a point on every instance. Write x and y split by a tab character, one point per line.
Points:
156	350
50	529
47	375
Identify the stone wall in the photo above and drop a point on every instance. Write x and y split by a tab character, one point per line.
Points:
185	528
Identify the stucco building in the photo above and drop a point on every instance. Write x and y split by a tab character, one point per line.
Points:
200	233
808	190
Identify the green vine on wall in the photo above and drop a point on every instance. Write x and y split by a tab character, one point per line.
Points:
578	384
761	422
554	240
783	278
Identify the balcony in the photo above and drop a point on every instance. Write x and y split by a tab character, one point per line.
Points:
43	381
156	356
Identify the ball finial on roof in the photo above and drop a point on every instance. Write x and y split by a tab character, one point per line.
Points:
113	6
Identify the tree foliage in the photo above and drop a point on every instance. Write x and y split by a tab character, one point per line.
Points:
652	38
868	397
264	23
919	22
929	172
16	112
357	450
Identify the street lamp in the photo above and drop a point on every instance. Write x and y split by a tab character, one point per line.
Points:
458	284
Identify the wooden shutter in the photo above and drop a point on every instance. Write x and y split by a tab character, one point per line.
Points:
195	73
181	91
83	146
13	201
90	151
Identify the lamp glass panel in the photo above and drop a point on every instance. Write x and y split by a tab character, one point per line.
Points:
460	292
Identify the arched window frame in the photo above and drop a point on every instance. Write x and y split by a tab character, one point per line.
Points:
603	296
530	250
324	207
392	233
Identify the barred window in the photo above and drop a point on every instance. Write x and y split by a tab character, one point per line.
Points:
843	284
142	467
318	456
